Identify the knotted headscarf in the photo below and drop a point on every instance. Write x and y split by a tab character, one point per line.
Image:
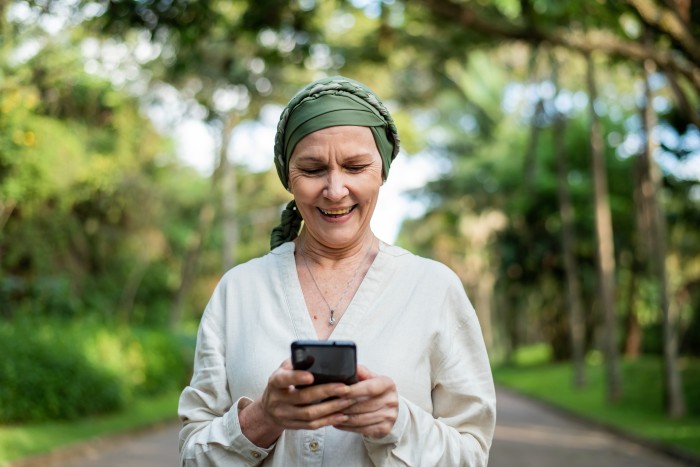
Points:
322	104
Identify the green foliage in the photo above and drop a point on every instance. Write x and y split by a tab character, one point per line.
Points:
146	362
58	370
45	378
16	138
92	212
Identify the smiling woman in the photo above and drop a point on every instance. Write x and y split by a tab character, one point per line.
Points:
335	175
424	393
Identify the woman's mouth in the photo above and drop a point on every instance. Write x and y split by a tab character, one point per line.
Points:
337	212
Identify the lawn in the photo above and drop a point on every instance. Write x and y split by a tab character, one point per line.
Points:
21	441
640	412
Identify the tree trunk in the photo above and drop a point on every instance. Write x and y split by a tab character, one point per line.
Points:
229	194
633	330
642	210
673	388
568	240
6	209
189	264
605	245
530	161
514	311
131	288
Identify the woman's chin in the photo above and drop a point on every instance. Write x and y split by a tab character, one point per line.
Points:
339	238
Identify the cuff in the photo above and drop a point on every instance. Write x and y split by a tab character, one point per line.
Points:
397	430
239	443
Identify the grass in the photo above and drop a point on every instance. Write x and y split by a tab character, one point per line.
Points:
639	412
21	441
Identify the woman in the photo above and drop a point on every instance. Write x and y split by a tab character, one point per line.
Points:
425	393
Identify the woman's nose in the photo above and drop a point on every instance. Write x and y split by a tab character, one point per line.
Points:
336	188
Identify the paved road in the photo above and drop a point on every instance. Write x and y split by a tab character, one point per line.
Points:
152	449
527	434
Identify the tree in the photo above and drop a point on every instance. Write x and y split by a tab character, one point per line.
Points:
651	194
568	240
604	238
81	160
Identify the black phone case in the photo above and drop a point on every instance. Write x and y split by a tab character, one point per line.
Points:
328	361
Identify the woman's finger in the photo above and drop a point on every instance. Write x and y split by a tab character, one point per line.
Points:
373	404
363	373
372	387
365	427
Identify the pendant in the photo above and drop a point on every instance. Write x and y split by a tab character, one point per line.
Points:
331	320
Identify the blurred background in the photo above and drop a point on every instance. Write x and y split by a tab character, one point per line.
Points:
550	156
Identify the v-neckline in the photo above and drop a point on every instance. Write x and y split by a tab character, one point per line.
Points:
359	305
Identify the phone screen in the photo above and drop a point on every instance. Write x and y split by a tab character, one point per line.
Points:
329	361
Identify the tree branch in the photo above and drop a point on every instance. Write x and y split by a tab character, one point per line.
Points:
669	22
681	99
575	39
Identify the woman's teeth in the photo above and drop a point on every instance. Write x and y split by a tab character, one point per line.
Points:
335	212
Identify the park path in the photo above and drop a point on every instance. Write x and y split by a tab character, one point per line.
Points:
530	434
527	434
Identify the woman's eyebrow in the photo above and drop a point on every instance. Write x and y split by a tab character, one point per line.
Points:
359	156
311	158
307	158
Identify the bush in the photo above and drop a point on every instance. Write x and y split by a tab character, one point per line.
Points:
168	363
43	379
59	370
147	361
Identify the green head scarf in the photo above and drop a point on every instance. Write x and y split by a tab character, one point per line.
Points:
322	104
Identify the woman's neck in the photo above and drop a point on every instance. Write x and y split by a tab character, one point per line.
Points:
331	258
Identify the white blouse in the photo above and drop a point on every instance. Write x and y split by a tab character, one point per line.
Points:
411	321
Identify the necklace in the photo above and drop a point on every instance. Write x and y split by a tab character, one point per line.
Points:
331	319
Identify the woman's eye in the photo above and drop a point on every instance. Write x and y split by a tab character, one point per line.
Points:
312	171
355	168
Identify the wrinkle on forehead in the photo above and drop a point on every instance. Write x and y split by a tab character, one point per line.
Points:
346	141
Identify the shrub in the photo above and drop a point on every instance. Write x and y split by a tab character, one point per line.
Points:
59	370
43	378
146	361
167	362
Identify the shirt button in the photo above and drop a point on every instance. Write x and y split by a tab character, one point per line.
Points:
255	454
314	446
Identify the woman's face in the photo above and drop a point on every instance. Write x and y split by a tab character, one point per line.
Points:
335	175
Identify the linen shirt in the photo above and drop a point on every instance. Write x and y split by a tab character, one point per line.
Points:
411	321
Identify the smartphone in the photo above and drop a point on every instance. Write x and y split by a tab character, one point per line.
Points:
328	361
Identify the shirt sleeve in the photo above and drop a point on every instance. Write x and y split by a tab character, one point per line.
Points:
460	428
211	431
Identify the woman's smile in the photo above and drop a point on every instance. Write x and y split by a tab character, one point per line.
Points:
338	212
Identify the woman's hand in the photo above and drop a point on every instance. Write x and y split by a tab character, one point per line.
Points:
377	406
283	406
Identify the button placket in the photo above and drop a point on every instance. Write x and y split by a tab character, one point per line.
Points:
312	448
